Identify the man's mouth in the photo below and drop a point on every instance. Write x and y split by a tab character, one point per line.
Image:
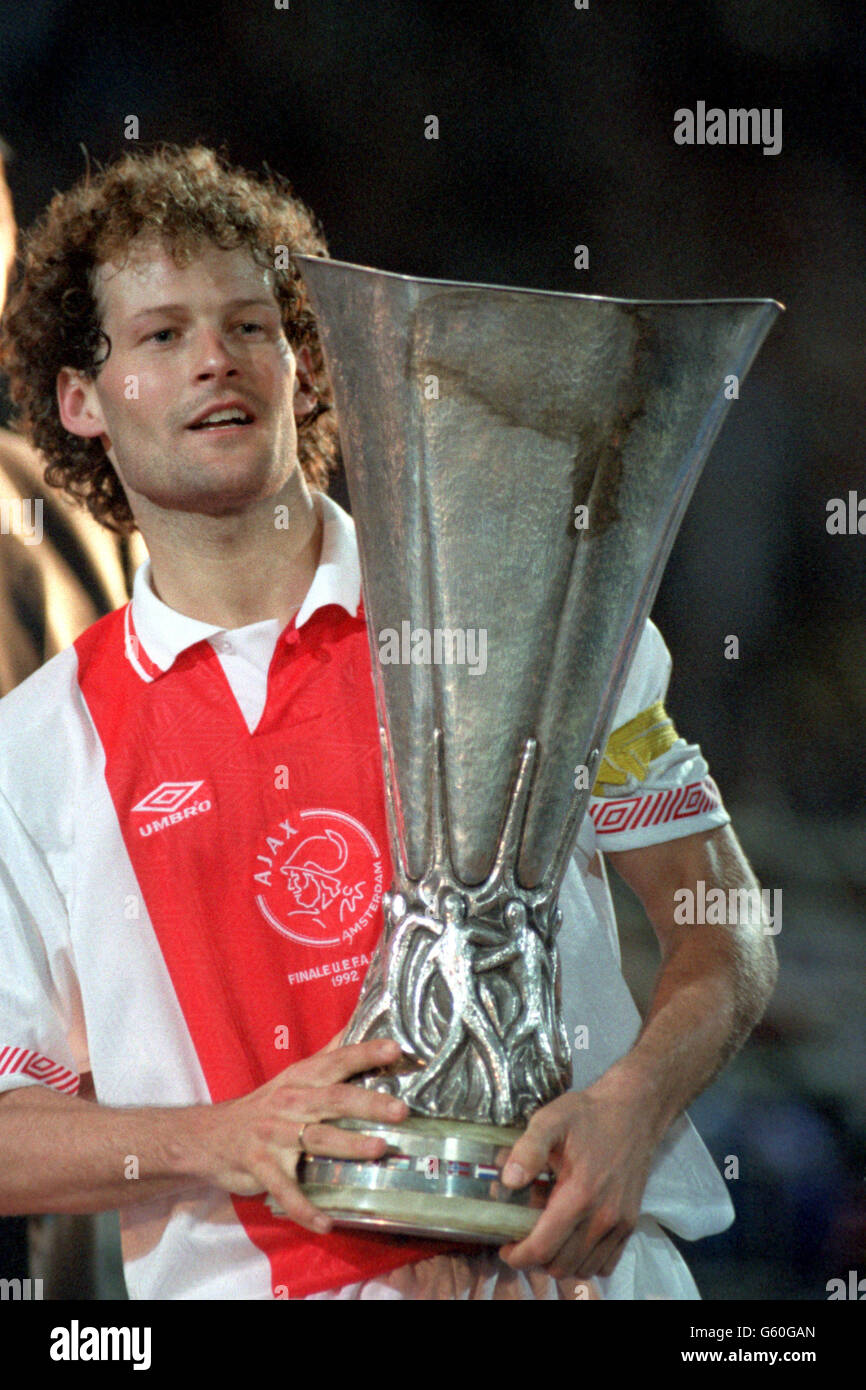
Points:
223	419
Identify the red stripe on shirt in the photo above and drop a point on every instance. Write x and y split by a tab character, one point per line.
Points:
249	883
618	815
25	1061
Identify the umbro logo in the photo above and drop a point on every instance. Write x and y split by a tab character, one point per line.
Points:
169	798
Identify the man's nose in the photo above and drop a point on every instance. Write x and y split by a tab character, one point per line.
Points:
213	355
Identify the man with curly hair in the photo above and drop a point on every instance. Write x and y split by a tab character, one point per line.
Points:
192	810
61	571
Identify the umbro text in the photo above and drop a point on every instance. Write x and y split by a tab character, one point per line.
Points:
175	817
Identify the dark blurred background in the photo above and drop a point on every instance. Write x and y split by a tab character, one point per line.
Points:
556	129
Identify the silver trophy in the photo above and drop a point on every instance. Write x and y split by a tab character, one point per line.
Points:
518	464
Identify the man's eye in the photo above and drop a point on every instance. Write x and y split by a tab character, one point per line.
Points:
249	327
162	335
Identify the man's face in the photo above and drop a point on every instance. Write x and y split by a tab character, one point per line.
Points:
188	341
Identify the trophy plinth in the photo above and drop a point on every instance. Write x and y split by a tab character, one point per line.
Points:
440	1178
518	463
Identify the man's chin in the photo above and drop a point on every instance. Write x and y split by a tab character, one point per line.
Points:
225	503
225	495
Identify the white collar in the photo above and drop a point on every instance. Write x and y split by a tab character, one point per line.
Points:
164	633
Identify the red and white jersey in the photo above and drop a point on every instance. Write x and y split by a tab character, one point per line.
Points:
194	852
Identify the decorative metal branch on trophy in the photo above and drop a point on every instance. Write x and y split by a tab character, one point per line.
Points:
474	421
467	983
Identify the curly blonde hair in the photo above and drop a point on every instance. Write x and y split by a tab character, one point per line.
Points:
185	197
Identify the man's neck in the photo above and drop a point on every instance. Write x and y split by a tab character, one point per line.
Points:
237	570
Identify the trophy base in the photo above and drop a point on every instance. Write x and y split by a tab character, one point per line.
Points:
439	1178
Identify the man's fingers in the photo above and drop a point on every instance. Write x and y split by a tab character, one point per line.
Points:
529	1156
296	1208
561	1217
337	1063
327	1141
273	1178
575	1258
347	1102
613	1257
583	1256
568	1259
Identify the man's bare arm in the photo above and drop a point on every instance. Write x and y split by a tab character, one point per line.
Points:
712	987
715	981
63	1154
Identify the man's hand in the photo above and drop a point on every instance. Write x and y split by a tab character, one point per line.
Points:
600	1150
253	1142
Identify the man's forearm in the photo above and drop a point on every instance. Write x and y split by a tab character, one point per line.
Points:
711	990
704	1006
61	1154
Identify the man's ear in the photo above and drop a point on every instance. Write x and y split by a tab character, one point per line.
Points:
79	407
306	391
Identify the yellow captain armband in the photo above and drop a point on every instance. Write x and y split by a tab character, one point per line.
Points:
632	747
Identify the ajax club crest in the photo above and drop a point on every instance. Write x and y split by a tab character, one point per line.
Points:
319	878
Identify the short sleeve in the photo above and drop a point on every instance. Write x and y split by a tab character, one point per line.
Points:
41	1028
651	784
